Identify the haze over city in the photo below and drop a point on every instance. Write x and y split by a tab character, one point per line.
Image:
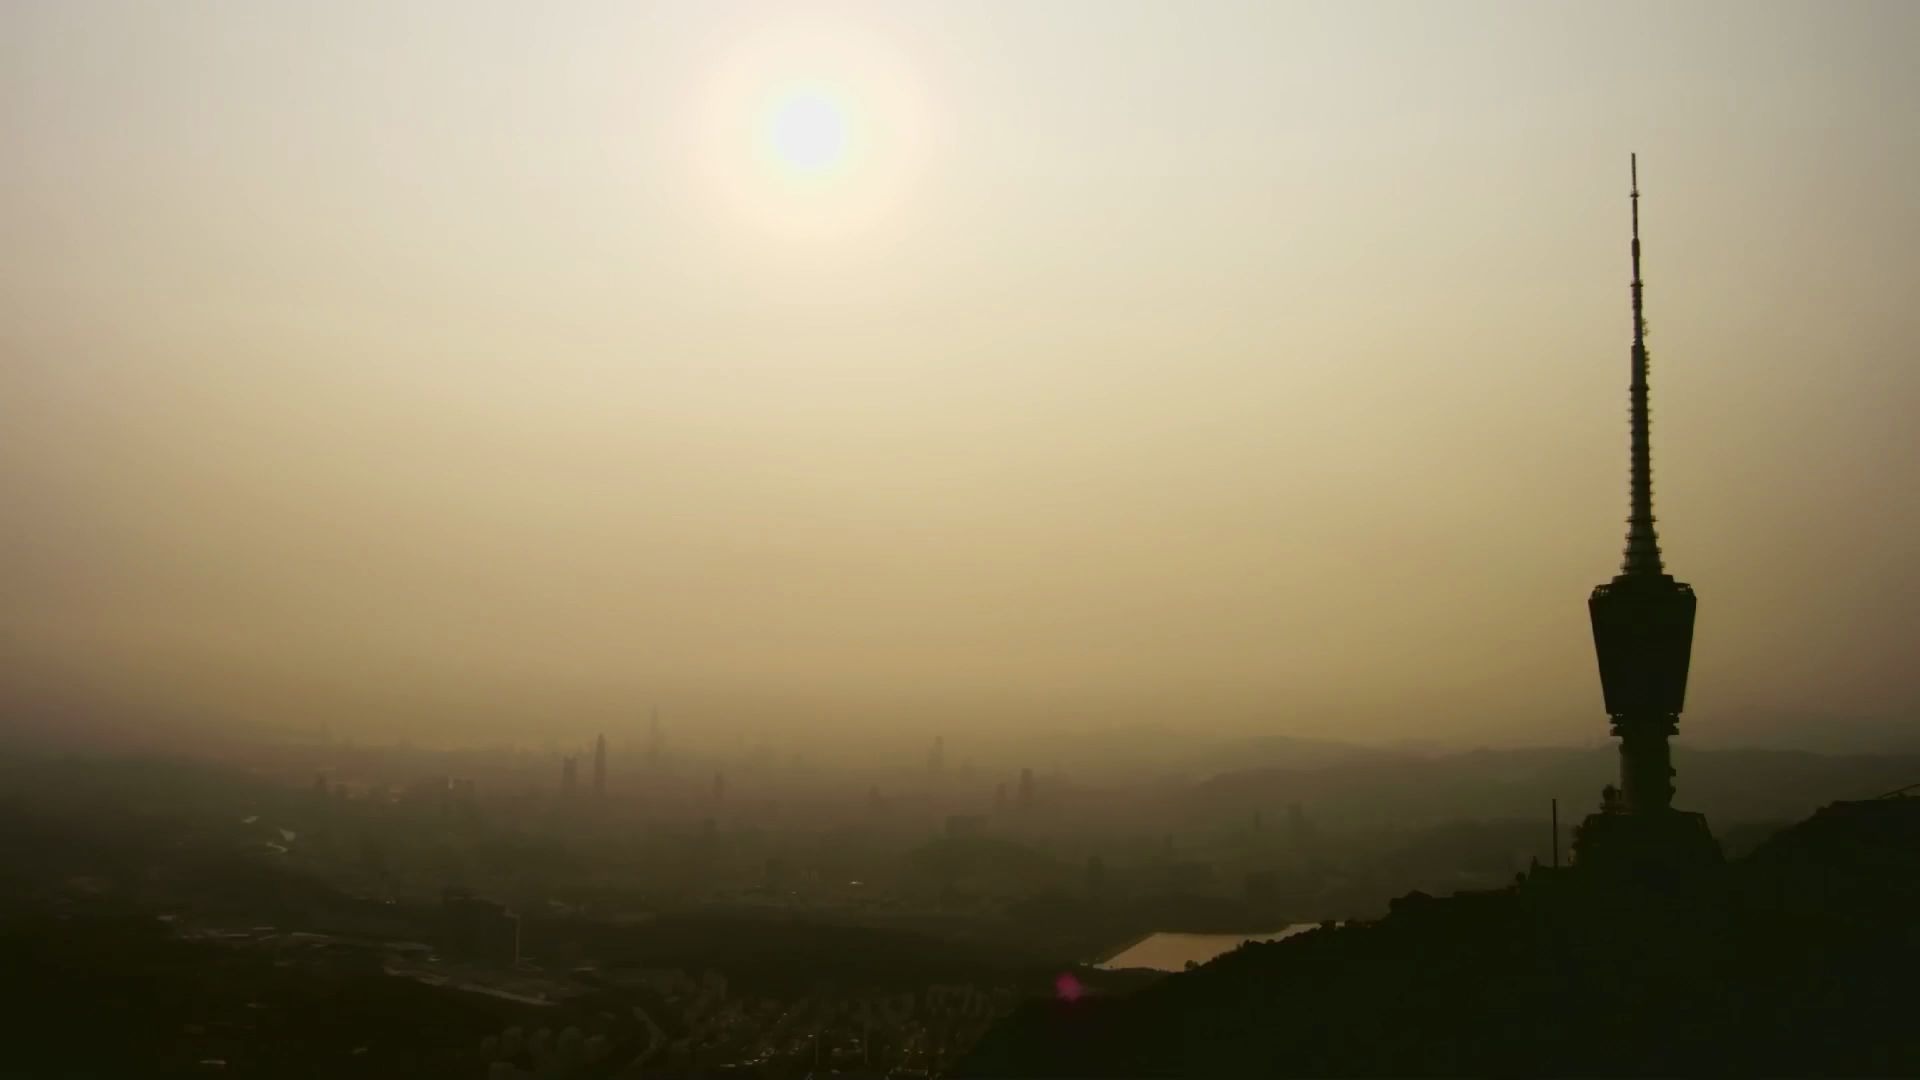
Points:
467	371
911	541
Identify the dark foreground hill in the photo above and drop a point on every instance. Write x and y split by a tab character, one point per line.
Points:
1801	959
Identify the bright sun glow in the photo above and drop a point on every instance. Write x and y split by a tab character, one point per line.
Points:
808	130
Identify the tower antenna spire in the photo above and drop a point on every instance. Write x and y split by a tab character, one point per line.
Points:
1643	543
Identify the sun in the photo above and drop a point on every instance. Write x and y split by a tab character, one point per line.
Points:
808	131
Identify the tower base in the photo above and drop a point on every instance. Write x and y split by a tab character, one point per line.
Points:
1652	848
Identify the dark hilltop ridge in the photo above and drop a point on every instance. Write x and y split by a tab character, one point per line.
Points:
1803	958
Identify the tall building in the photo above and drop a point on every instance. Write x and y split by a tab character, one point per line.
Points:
1643	638
937	757
599	766
462	798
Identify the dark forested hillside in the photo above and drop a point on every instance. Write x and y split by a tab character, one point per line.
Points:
1797	959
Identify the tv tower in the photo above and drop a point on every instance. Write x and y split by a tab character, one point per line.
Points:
1643	638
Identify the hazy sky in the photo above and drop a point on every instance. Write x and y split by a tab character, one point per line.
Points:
448	367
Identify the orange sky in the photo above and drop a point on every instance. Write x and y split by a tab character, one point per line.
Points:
471	368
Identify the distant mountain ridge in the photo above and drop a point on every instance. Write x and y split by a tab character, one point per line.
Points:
1384	787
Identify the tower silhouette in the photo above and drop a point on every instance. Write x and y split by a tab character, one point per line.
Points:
1643	639
599	766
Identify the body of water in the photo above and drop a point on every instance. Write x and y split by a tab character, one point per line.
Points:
1171	952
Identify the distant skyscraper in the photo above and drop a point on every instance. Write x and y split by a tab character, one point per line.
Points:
1643	637
937	757
719	786
599	766
1299	825
462	797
